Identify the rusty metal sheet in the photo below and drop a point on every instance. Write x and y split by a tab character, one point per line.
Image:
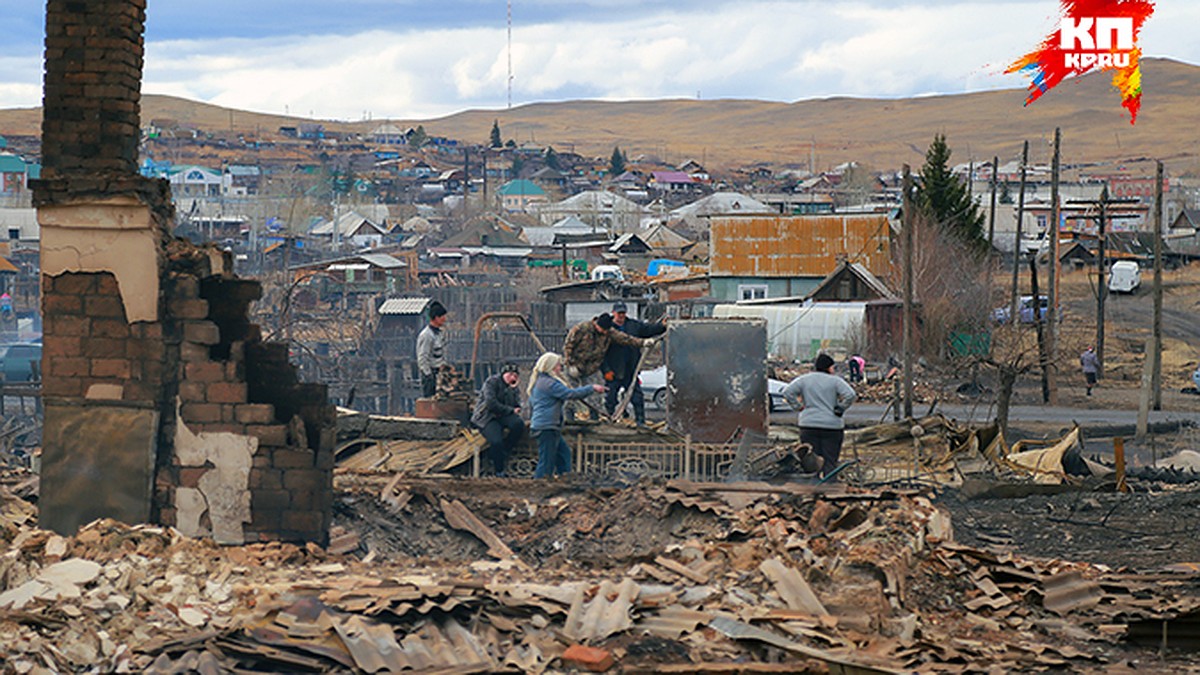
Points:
93	445
1069	591
717	378
792	588
605	614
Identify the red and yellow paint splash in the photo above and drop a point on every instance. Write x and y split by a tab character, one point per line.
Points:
1050	64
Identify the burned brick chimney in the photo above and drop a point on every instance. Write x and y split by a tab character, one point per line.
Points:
162	404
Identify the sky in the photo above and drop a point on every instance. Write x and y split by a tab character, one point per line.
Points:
422	59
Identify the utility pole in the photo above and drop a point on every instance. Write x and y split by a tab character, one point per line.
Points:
1014	302
908	219
1101	286
1156	378
1050	365
1041	330
992	211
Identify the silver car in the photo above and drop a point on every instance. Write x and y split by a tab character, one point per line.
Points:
654	389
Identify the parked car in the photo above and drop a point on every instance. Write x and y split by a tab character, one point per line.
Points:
1124	277
20	361
1024	310
654	388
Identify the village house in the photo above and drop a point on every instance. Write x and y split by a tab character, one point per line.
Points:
756	257
517	195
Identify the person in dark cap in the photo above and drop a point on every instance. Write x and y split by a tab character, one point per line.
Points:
621	361
498	415
822	399
431	348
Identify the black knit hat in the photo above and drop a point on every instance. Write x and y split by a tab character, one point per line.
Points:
604	321
509	368
436	309
823	363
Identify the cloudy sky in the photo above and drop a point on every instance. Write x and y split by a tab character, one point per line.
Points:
419	59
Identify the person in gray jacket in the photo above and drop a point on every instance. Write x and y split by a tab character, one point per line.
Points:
431	349
498	415
822	398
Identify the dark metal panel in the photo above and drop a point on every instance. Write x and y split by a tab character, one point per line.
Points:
97	462
717	378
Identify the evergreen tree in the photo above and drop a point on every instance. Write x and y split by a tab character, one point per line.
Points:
944	198
419	137
496	142
552	159
616	164
518	165
1005	195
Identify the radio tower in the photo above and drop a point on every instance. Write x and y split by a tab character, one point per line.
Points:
510	76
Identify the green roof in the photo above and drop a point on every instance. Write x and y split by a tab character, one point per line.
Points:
11	164
521	188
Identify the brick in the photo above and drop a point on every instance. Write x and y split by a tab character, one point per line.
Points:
201	412
140	391
74	283
55	346
107	284
210	371
58	303
110	368
190	476
71	326
183	287
188	309
269	499
302	521
227	392
266	479
265	520
67	367
151	350
305	480
201	332
293	459
103	348
193	353
110	328
274	435
104	306
192	392
147	330
588	658
224	428
66	387
167	517
326	459
255	413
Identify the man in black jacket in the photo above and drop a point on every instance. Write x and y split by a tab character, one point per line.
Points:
498	415
621	361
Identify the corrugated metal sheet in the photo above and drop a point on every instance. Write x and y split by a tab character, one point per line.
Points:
787	246
607	612
404	305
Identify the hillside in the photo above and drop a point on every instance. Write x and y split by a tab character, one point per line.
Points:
883	133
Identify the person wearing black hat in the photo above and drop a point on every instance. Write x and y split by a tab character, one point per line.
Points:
621	361
822	399
431	348
498	415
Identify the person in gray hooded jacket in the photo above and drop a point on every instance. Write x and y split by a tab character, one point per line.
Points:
822	398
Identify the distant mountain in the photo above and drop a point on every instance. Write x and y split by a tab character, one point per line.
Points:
882	133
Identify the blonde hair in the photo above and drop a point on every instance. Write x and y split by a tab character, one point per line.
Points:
546	363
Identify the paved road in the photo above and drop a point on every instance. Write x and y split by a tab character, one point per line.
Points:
861	414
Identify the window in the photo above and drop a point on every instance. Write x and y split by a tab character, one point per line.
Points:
14	233
752	292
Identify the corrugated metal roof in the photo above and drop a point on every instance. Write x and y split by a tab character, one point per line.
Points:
395	306
383	260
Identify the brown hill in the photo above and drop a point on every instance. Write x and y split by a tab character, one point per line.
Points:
884	133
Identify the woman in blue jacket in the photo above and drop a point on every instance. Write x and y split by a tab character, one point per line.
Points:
547	392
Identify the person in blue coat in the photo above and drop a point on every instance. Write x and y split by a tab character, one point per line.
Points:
547	392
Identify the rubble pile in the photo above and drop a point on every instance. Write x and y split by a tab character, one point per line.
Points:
560	575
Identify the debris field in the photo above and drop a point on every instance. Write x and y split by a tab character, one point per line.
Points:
482	575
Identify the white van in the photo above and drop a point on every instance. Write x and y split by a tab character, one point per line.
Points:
1124	277
607	272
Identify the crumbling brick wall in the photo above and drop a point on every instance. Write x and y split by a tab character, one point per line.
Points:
162	403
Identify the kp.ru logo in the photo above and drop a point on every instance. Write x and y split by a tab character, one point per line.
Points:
1093	34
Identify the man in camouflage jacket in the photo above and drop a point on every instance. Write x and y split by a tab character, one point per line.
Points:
588	342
